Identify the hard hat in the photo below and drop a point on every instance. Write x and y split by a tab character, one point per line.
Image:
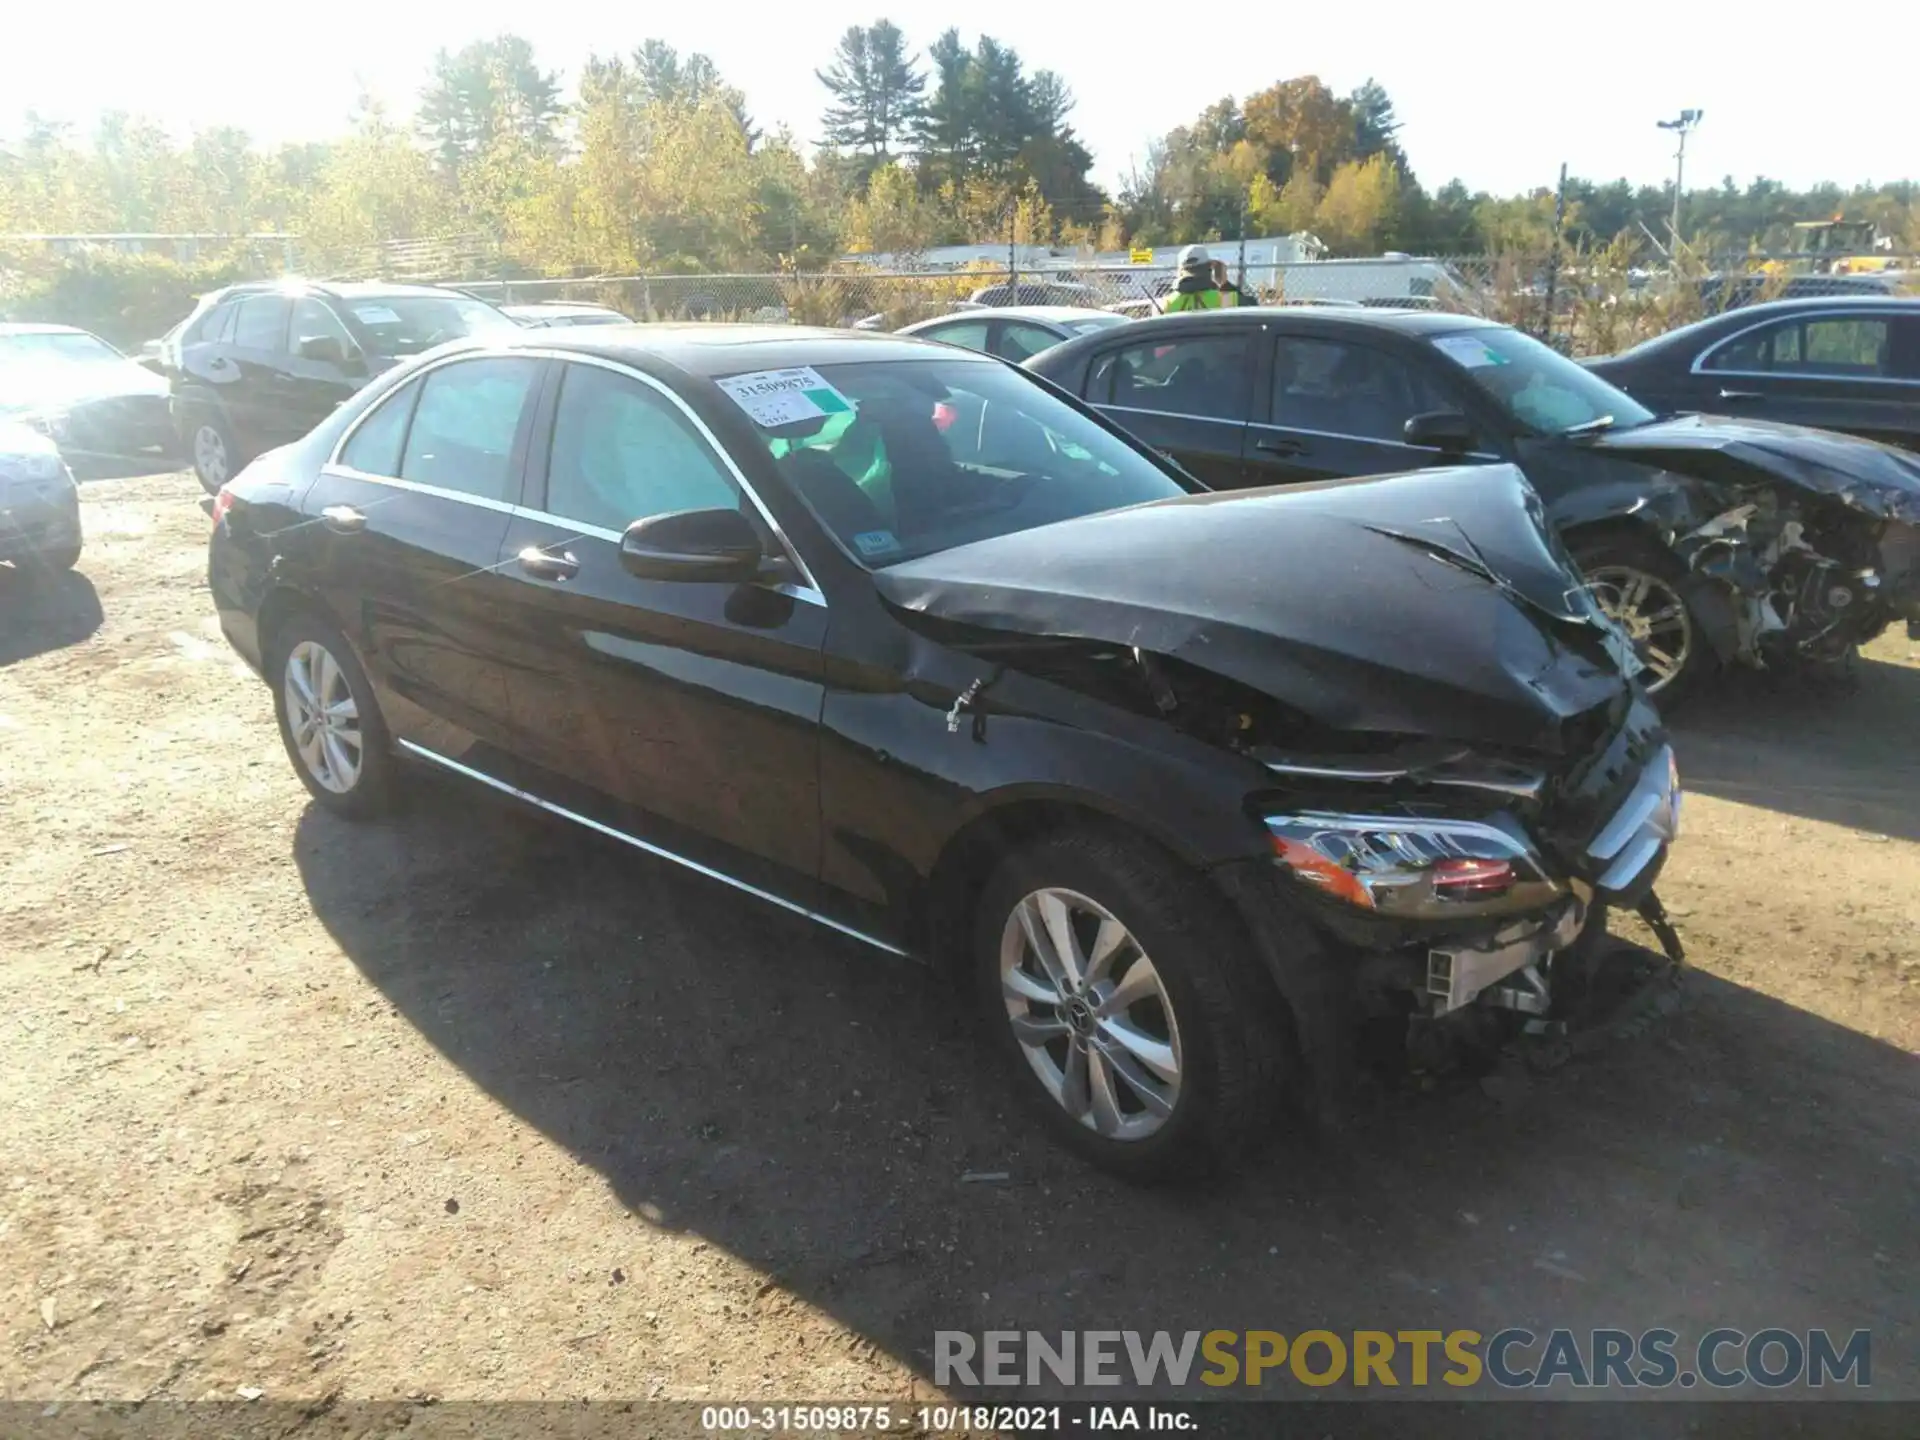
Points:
1195	257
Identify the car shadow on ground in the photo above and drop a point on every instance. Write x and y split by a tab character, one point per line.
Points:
819	1111
42	610
1845	751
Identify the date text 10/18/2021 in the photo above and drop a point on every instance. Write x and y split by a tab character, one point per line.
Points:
943	1419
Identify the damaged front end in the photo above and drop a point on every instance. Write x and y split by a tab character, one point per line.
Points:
1453	772
1801	545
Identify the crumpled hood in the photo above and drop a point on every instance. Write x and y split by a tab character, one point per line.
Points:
1428	604
1875	479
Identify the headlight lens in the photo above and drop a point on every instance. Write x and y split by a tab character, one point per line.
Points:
1416	868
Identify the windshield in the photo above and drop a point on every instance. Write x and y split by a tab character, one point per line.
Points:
393	325
903	458
58	347
1539	387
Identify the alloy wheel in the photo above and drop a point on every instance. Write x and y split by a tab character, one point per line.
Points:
1091	1014
1653	615
210	455
323	718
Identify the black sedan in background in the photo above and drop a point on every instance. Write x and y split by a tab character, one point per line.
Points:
893	637
258	365
104	410
1846	364
1709	540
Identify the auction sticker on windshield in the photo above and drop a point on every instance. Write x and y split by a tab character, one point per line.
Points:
376	315
782	397
1466	350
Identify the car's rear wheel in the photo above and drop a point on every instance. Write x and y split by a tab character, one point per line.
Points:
1133	1017
1639	585
329	719
214	451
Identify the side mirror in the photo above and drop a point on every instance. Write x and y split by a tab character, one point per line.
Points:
693	545
1447	431
325	348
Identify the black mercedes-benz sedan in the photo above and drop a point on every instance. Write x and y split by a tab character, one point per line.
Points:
1846	363
1186	787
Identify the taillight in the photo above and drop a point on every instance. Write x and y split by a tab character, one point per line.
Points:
222	503
1461	878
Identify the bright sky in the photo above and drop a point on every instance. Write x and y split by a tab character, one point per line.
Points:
1497	94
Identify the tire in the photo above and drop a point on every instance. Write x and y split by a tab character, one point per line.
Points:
61	560
1639	583
1210	1037
213	449
348	765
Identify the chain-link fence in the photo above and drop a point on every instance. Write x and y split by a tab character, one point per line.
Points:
1583	305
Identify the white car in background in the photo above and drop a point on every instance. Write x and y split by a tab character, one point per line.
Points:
39	503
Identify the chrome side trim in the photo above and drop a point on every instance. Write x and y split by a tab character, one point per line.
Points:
438	492
655	850
1699	366
1260	425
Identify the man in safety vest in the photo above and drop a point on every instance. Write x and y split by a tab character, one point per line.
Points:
1198	287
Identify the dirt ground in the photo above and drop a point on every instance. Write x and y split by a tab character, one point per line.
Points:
470	1105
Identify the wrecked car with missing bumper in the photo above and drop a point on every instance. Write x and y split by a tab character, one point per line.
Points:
1191	791
1782	545
1713	541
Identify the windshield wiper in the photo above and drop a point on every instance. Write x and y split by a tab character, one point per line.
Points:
1590	427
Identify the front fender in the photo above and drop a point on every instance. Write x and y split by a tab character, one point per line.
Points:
1662	503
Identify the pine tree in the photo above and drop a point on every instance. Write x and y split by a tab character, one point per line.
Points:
877	90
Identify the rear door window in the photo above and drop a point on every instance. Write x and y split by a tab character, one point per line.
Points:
1202	375
464	427
1831	346
1022	341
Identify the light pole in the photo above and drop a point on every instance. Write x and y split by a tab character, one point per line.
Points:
1682	128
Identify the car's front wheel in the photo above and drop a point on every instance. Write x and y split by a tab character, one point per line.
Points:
329	719
1133	1016
1639	585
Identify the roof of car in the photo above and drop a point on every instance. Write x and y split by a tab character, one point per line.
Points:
1741	316
348	289
33	327
716	349
565	307
1061	314
1409	322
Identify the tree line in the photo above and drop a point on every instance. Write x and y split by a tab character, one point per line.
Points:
654	163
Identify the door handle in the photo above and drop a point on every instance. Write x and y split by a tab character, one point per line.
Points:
1739	394
1281	447
344	519
543	566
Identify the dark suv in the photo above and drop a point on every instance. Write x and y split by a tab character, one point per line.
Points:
256	366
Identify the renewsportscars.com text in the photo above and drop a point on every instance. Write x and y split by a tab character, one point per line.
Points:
1511	1359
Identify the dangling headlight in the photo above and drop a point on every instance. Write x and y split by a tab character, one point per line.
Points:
1434	869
